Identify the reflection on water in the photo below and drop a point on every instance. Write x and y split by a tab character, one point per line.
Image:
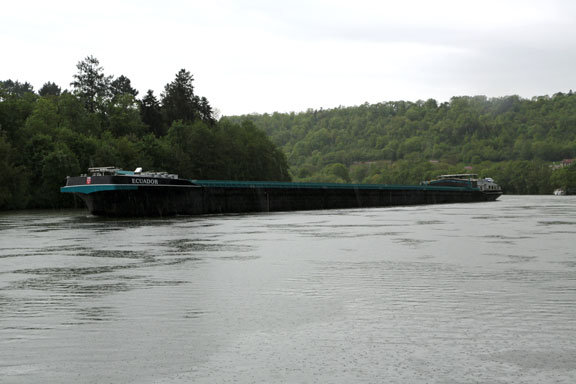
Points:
439	294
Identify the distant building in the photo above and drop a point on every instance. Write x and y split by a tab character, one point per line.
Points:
563	164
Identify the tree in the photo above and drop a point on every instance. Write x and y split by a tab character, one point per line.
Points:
91	84
151	114
124	116
43	119
178	99
338	171
122	86
246	153
13	182
56	165
16	88
194	148
205	111
17	102
180	102
73	115
49	89
565	178
33	152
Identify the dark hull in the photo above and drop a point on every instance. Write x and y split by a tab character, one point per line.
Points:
214	197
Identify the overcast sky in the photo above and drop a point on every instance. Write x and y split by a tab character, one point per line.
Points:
263	56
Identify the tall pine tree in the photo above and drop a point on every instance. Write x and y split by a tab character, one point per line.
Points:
180	102
91	84
151	114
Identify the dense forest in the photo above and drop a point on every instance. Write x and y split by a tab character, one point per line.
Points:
519	142
53	133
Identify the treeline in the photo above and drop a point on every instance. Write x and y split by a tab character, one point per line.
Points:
50	134
511	139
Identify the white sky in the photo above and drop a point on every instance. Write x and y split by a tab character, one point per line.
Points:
263	56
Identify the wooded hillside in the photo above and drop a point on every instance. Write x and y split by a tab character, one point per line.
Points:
514	140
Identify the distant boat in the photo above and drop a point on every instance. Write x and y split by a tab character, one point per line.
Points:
109	191
559	192
486	185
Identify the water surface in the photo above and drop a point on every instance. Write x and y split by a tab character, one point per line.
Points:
461	293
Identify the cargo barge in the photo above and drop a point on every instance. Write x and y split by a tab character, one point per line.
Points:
109	191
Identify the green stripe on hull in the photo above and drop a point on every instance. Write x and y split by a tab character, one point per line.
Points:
86	189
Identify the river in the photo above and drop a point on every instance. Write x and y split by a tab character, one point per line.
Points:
460	293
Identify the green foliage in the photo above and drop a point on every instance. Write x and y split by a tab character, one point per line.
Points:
249	154
124	116
73	115
195	147
56	165
151	114
565	178
228	151
180	102
91	84
15	107
43	119
122	86
47	136
511	139
13	191
337	173
34	151
50	89
16	88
